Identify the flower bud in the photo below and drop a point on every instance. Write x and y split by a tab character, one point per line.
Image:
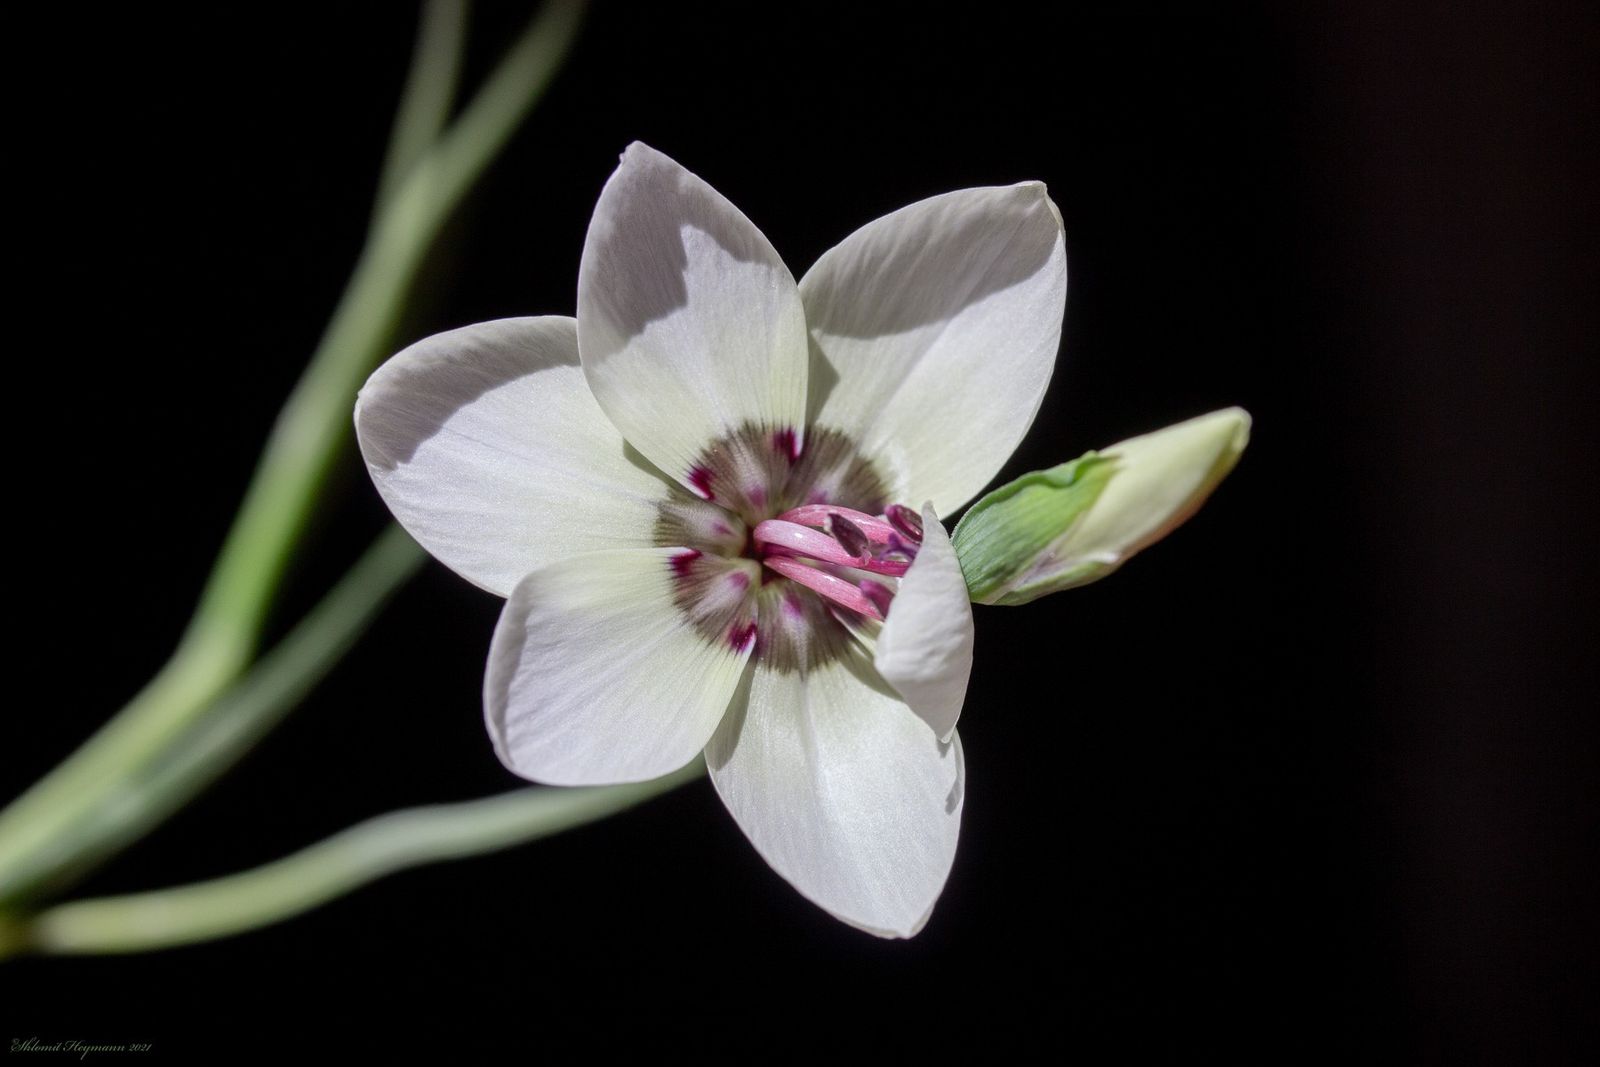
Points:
1077	522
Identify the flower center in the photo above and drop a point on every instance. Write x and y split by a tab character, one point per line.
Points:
785	547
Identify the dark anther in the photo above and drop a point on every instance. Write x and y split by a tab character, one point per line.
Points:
849	535
905	520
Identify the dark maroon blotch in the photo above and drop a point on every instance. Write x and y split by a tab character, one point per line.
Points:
683	562
700	478
741	634
785	443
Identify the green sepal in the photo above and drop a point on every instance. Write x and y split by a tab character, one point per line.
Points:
1003	534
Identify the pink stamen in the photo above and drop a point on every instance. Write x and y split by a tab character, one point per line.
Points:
776	536
878	593
797	540
876	529
827	585
893	568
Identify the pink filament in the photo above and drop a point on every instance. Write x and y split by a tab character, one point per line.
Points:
876	592
846	594
797	540
790	538
877	531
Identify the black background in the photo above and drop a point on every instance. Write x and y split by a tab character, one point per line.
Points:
1312	779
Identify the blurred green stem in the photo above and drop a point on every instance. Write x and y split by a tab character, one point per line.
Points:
149	792
38	830
365	852
425	101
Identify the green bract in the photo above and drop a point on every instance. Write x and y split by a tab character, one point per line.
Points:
1072	524
1006	531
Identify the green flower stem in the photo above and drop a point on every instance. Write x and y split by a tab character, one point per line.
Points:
430	90
149	792
221	637
168	917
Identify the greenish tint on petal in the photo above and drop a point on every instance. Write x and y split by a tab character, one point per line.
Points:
1075	523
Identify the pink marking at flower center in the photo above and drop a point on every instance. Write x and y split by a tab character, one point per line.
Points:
817	545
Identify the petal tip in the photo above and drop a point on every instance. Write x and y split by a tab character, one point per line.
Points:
1037	192
1055	213
637	149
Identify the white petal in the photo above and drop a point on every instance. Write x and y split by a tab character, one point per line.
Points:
689	324
843	791
937	327
925	647
595	676
488	447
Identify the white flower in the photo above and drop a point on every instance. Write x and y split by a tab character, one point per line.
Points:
693	497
